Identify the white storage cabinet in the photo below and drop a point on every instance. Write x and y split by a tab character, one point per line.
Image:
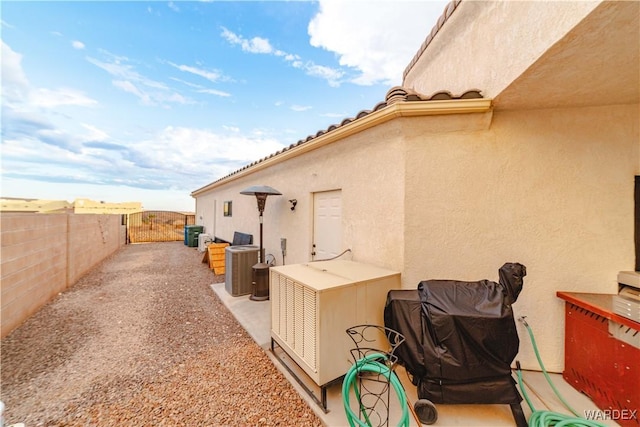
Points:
313	304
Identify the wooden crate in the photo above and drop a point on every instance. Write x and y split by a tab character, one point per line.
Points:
216	257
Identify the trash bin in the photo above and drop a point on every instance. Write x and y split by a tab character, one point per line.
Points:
192	232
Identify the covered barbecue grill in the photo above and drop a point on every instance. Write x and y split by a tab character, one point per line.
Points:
460	338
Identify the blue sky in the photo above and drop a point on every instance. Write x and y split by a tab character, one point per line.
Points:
147	101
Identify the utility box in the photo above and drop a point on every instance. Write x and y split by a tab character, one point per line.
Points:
602	350
313	304
203	241
239	269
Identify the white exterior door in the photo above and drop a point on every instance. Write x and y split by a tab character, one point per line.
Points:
327	224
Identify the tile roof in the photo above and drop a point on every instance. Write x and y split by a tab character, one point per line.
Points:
448	11
394	95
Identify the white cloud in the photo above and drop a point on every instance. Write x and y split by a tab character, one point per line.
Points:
173	7
378	38
48	98
95	134
14	81
129	87
213	76
152	98
214	92
171	157
192	151
16	87
254	45
77	45
257	45
331	75
130	81
201	89
117	68
260	45
50	149
187	83
301	107
176	98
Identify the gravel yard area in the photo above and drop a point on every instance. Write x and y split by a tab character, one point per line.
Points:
142	340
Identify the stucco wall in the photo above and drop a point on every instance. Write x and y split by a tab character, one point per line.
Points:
367	167
551	189
43	254
486	45
457	196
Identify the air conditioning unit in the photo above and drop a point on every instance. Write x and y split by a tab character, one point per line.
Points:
313	304
239	262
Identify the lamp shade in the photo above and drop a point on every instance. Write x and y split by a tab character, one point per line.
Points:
261	192
261	189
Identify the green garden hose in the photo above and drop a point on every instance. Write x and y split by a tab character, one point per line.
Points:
370	363
548	418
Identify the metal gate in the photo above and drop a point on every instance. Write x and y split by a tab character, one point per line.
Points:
157	226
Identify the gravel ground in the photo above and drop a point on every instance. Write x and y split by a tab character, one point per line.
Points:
142	340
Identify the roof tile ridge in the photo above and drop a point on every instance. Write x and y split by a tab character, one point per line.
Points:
394	95
446	14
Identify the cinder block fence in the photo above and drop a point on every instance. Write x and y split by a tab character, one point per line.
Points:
43	254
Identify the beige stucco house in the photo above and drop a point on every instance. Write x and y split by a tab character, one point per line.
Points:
529	155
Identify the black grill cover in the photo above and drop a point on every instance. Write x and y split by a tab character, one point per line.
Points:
460	337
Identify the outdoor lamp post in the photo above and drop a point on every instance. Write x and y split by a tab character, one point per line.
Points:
261	269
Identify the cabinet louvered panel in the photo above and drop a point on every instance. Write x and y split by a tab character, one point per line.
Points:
283	308
291	313
275	304
310	328
298	319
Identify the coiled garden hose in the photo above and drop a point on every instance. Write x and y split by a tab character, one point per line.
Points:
370	363
549	418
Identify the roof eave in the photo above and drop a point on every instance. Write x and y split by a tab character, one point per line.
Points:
375	118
